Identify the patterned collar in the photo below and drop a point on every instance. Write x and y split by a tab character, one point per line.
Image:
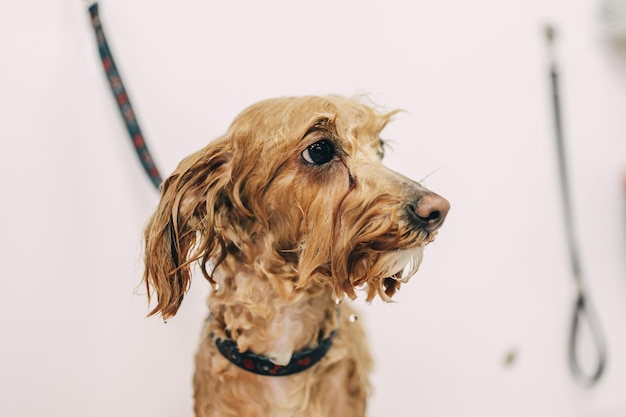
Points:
262	365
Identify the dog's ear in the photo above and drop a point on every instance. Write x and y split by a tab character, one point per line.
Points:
187	225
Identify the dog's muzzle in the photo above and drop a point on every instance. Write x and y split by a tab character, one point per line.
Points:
428	211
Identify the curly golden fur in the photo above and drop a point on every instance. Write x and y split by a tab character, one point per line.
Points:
287	213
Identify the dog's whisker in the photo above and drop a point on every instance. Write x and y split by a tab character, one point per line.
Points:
423	180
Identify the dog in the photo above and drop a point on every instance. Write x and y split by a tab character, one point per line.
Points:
287	214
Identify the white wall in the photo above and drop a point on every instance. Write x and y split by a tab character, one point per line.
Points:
472	77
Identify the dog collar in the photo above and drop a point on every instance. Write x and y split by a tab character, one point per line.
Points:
262	365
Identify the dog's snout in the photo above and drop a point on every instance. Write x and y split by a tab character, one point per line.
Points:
429	211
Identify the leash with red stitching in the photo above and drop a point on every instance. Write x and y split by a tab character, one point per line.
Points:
122	100
246	360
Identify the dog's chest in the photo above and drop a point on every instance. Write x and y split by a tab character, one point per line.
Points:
288	331
288	396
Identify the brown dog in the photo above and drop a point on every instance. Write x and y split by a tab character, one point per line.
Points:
287	213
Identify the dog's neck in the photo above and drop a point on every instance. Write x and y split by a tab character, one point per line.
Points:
266	318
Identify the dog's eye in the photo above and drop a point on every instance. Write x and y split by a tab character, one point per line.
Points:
319	153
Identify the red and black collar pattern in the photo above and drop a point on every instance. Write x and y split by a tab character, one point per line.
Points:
262	365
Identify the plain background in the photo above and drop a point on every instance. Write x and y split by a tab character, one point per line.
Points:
481	330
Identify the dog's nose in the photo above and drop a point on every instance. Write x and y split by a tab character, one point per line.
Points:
429	211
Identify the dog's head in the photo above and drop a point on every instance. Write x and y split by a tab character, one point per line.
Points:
295	190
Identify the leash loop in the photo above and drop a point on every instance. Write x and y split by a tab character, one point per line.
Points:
582	311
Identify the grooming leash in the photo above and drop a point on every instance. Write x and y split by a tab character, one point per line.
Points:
121	98
582	306
249	361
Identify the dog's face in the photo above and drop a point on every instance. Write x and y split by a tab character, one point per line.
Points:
296	190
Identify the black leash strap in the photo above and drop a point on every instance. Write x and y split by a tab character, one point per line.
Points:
582	308
121	97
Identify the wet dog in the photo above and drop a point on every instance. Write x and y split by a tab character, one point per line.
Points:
286	214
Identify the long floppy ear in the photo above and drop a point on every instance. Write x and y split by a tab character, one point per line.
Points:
186	225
